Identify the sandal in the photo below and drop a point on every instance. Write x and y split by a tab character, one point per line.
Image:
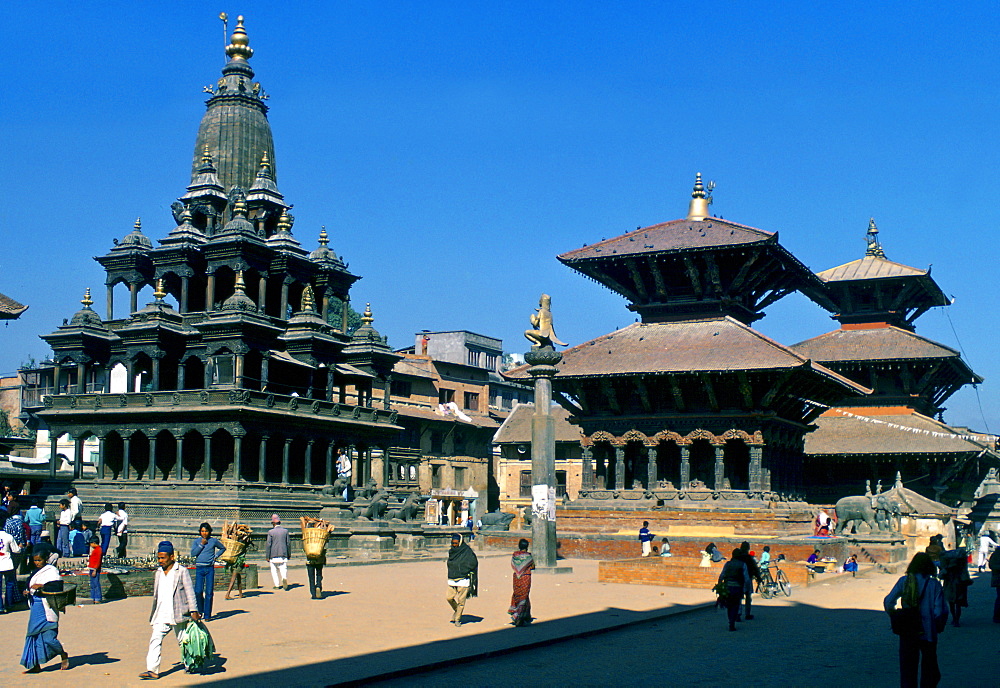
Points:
148	676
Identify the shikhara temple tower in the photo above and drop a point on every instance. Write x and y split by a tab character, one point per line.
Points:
892	430
692	403
235	389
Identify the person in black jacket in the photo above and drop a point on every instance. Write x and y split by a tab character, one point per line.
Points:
736	578
754	571
463	569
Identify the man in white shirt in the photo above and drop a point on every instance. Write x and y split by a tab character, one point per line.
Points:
122	530
75	505
64	521
8	547
173	602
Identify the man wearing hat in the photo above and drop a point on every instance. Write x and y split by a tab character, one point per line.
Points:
279	546
463	568
173	605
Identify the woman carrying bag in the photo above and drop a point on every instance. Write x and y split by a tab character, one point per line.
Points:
923	615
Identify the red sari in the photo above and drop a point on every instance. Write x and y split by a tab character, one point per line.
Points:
520	606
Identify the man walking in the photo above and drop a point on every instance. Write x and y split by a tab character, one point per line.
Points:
279	547
121	527
754	572
205	550
173	604
463	571
75	506
62	537
646	538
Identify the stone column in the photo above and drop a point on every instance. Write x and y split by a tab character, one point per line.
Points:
262	458
650	468
543	360
756	458
284	459
210	292
238	371
209	363
185	282
179	461
78	458
56	375
133	303
284	301
720	466
151	469
329	464
262	294
325	308
206	468
309	462
685	466
127	458
81	378
237	454
155	373
588	469
265	365
387	393
344	305
111	302
385	466
100	457
619	468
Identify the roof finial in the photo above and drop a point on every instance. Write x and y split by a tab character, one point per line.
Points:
159	293
323	238
239	43
308	300
240	286
367	318
86	300
137	227
899	480
698	207
239	207
284	222
874	246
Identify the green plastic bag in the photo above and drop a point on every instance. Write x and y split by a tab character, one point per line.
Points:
196	643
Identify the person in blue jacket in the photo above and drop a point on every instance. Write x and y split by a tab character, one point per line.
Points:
205	550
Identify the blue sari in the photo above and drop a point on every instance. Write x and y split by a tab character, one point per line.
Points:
41	643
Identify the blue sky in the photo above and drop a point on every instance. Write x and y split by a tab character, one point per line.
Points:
452	150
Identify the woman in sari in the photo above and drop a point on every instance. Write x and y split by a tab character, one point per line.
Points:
41	642
520	606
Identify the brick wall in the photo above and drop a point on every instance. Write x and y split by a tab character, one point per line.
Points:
682	572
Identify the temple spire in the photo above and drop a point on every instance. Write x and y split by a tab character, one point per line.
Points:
86	300
239	43
698	207
874	246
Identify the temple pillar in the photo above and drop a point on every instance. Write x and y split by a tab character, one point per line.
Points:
209	371
151	470
111	302
206	468
179	460
56	376
100	457
185	281
81	378
237	454
238	371
387	393
756	477
284	301
265	364
127	458
286	450
262	294
329	464
619	468
53	451
210	292
587	477
78	458
262	458
133	302
685	466
344	305
309	462
325	308
155	382
385	466
720	466
650	468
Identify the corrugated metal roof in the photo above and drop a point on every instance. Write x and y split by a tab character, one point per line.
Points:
883	343
839	435
672	236
869	267
517	428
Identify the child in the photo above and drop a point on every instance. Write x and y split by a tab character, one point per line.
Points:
80	540
94	569
851	565
665	548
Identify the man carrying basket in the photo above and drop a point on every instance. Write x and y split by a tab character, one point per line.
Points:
314	535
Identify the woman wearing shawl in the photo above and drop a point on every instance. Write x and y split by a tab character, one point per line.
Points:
520	606
919	589
463	568
41	642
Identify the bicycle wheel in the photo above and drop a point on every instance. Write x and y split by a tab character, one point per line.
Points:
764	590
783	583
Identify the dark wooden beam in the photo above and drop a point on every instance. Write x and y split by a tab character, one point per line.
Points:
737	284
611	395
745	389
675	390
657	273
776	387
643	390
640	287
713	274
695	276
706	380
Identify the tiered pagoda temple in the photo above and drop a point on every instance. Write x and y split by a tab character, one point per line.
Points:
692	403
893	430
233	392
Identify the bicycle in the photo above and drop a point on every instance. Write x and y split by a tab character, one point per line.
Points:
774	585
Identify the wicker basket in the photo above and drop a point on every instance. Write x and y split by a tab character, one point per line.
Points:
60	600
314	541
234	548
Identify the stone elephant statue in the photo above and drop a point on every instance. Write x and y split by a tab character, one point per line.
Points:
851	511
496	520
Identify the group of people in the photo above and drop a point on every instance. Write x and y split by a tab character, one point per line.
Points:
736	581
463	580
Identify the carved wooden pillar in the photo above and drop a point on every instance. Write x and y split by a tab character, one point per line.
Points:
329	464
286	450
329	384
309	462
685	466
238	371
650	468
619	468
111	302
56	375
325	308
209	371
100	457
133	303
756	468
720	466
237	454
588	469
210	292
262	458
206	468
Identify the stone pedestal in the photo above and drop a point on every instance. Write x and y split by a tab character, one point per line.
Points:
372	540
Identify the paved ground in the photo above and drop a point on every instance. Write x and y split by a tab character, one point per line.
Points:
390	618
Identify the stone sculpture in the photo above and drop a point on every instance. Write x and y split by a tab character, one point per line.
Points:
542	336
852	511
496	520
408	510
526	515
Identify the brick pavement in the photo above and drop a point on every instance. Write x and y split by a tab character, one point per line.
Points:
391	618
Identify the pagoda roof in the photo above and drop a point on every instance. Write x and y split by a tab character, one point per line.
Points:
914	503
711	345
10	309
677	235
516	429
887	430
870	267
875	343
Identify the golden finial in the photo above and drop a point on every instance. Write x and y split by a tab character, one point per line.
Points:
284	222
698	207
874	245
159	293
240	207
137	227
264	161
240	286
86	300
323	239
206	156
367	318
239	43
308	300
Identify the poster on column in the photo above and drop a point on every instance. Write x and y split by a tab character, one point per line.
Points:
540	502
552	503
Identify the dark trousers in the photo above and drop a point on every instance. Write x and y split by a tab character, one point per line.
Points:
733	604
204	586
95	586
996	608
746	603
315	572
36	534
105	541
9	583
122	545
913	652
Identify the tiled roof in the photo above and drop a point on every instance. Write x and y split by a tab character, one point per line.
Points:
911	502
413	368
430	414
907	432
517	428
876	344
677	235
717	344
9	308
869	267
